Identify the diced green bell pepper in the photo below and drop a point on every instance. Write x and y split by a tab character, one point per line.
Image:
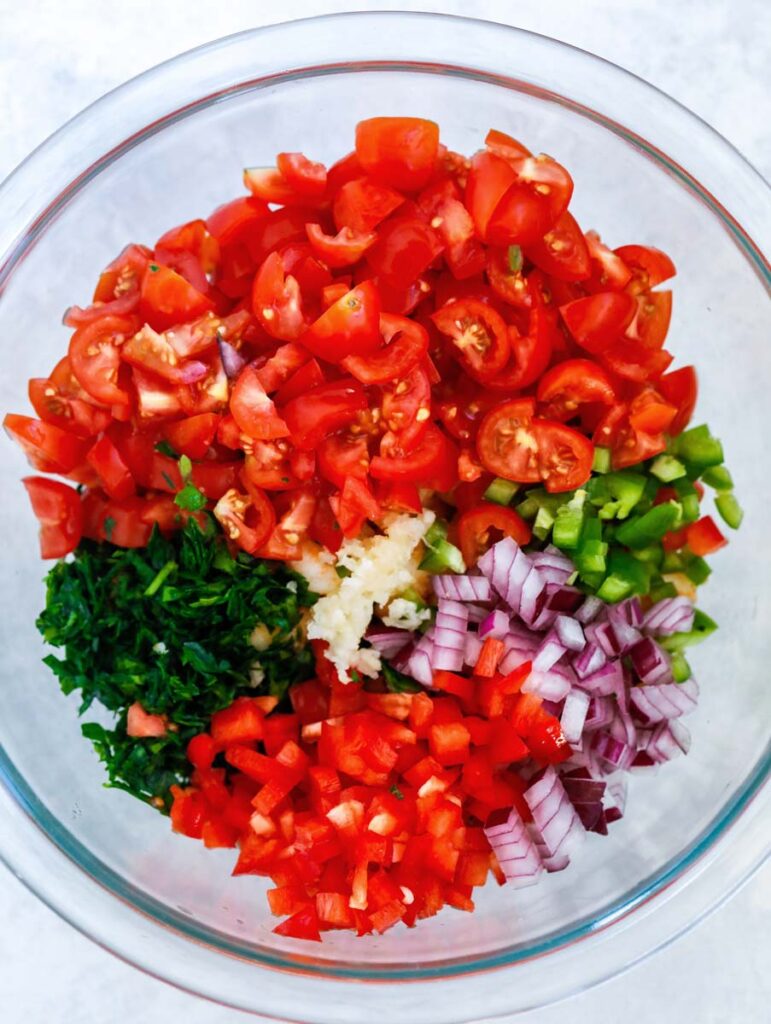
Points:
569	522
698	448
696	569
626	576
681	670
730	510
501	491
602	462
643	530
688	497
544	520
703	626
667	468
443	557
616	494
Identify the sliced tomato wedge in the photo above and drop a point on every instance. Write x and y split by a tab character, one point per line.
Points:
67	407
481	526
268	465
479	336
166	298
651	320
649	266
350	327
362	204
114	475
650	413
562	252
94	354
634	362
530	353
599	320
276	300
48	448
59	511
406	246
232	222
405	411
340	250
681	389
442	204
253	411
406	345
608	270
193	436
341	456
508	284
398	151
304	176
323	410
505	145
309	375
431	463
153	352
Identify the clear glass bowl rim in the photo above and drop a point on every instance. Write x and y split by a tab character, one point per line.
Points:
32	196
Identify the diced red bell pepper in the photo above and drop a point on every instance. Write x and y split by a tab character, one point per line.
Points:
703	536
449	682
278	729
449	743
188	811
489	657
241	722
287	899
217	833
302	925
201	750
333	910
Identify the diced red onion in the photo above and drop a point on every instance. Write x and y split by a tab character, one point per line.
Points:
548	685
554	817
615	798
612	751
462	588
496	624
574	715
600	634
604	681
599	715
512	660
651	662
533	597
561	598
671	615
476	613
388	642
447	659
553	566
633	611
590	660
472	649
570	633
507	567
516	853
232	360
623	636
420	665
668	740
669	700
549	652
590	609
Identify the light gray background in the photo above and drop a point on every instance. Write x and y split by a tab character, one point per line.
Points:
56	56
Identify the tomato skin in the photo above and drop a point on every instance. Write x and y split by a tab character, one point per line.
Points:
509	286
597	321
565	456
609	272
530	353
94	355
506	444
341	456
340	250
166	298
248	520
276	300
681	389
302	175
405	411
405	247
433	462
490	178
230	222
650	323
634	362
354	506
47	447
309	375
650	413
505	146
397	151
253	411
562	252
349	327
114	474
441	203
474	526
67	411
649	266
572	383
362	204
193	436
406	346
479	336
59	512
322	410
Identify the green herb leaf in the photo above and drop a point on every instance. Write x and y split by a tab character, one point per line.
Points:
190	498
164	448
108	526
185	466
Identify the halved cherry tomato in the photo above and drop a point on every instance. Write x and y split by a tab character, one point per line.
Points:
481	526
562	252
248	520
565	456
153	352
166	298
190	250
490	178
253	411
303	175
599	320
322	410
479	336
341	456
431	463
538	196
405	247
398	151
362	204
193	436
276	300
406	345
277	229
350	327
571	384
270	185
59	512
681	389
649	266
114	474
47	447
340	250
703	537
268	465
94	354
634	362
441	203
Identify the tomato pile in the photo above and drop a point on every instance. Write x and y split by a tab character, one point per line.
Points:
366	808
323	346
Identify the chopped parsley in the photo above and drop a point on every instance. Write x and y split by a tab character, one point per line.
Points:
168	625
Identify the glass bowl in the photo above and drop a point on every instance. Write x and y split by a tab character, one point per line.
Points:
169	146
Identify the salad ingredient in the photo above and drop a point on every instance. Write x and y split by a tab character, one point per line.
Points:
165	631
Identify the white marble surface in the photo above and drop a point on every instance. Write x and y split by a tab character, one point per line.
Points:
56	56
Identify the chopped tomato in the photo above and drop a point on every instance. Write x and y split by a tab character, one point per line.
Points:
276	300
166	298
361	205
349	327
48	448
608	270
324	409
406	246
405	411
114	475
341	456
562	252
680	388
397	151
248	520
406	345
95	358
651	320
567	386
255	413
649	266
59	512
479	336
341	250
599	320
481	526
193	436
431	463
302	175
